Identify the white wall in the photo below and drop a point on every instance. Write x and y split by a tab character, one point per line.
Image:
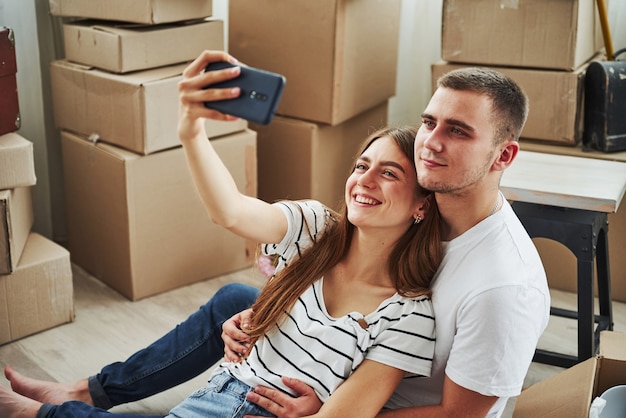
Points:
38	42
617	23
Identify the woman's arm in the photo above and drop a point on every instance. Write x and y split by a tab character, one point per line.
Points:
246	216
364	393
456	401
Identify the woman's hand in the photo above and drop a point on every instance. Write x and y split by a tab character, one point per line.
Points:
284	406
193	91
236	341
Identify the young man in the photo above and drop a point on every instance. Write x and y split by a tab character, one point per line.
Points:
490	295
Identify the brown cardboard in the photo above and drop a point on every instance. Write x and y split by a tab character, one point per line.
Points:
570	393
555	99
123	47
138	11
553	34
339	57
218	128
301	160
39	294
17	162
558	260
16	221
136	222
137	111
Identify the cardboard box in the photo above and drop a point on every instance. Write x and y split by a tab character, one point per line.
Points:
137	11
555	99
39	294
302	160
335	63
123	47
136	222
16	221
552	34
17	162
137	111
558	260
570	393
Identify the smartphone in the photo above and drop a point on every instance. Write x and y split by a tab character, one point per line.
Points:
260	93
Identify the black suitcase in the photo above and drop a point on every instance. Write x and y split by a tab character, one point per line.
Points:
605	106
9	109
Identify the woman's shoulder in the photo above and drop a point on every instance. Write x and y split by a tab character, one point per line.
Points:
421	305
309	209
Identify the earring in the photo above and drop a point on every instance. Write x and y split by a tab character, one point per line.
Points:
417	219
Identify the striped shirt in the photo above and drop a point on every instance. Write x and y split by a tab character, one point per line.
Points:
323	351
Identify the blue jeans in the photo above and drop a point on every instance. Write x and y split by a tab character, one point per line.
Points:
223	397
191	348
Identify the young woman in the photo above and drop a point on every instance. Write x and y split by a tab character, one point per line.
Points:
348	308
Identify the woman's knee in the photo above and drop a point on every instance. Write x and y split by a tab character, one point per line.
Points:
233	298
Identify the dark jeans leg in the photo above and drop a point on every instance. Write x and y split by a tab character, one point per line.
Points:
188	350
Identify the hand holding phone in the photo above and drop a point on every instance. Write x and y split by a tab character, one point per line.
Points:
260	93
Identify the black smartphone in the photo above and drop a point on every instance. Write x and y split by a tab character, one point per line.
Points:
260	93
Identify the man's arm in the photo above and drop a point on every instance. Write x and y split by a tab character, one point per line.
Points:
363	394
456	401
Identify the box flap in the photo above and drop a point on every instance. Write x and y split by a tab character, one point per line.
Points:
16	220
558	396
612	345
138	78
115	27
139	11
612	365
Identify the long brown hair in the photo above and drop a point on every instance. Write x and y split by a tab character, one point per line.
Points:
412	263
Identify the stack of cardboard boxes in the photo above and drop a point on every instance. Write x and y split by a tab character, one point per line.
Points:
340	59
134	218
36	290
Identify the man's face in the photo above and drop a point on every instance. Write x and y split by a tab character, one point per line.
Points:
454	148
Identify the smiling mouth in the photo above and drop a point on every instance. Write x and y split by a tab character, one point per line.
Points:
365	200
431	163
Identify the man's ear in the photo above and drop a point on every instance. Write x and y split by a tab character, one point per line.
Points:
507	153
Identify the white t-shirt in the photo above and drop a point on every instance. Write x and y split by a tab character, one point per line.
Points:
323	351
492	303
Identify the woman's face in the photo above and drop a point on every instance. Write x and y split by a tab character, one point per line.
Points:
382	189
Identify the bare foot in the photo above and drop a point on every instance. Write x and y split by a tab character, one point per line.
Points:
48	392
14	405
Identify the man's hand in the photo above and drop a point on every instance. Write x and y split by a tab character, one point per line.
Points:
236	341
285	406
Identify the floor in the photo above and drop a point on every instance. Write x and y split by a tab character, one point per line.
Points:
109	327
